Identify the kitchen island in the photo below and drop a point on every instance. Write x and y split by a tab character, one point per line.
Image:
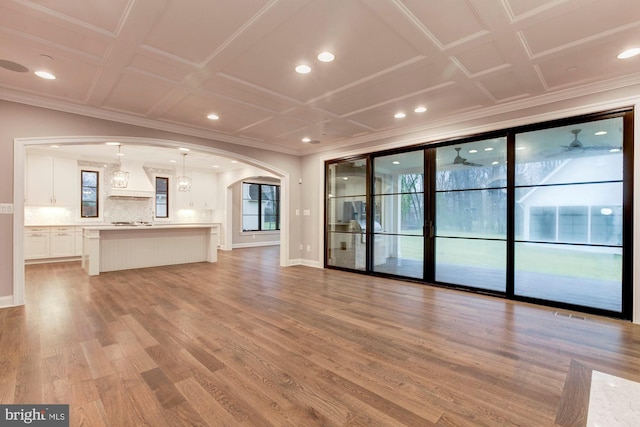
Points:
123	247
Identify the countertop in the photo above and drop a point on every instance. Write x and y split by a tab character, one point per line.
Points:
148	227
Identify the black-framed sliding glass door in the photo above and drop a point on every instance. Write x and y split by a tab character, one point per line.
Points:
569	214
471	214
398	216
542	213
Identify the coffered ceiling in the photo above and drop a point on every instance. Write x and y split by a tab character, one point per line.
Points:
170	63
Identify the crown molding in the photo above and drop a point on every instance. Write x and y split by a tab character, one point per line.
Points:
98	113
405	135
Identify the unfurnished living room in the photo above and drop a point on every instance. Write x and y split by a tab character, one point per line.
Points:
319	212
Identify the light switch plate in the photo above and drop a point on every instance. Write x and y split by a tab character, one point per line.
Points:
6	208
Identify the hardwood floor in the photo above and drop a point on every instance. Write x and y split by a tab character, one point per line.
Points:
246	342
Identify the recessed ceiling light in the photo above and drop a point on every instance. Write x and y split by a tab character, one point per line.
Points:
494	163
172	161
420	109
614	150
306	139
54	146
601	132
395	162
212	116
521	148
400	115
303	69
234	161
326	57
629	53
488	149
45	75
183	149
346	178
215	166
473	151
112	143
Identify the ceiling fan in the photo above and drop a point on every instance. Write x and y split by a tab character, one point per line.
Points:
459	160
576	144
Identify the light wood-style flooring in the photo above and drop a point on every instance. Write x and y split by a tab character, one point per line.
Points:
244	342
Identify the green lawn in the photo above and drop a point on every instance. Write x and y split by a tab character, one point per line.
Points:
560	260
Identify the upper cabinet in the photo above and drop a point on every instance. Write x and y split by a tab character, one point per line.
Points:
51	181
203	193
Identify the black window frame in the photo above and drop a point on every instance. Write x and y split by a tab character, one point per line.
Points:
259	201
157	193
97	193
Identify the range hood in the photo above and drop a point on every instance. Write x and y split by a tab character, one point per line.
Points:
139	185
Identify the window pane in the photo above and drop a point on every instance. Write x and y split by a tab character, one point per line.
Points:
478	164
473	213
89	179
570	154
347	250
572	224
606	225
399	255
399	173
582	275
346	212
472	262
347	178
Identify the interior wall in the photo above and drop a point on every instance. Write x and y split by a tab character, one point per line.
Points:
19	121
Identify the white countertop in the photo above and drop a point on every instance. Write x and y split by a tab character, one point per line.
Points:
148	227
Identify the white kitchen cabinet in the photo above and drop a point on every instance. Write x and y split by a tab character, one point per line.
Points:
77	245
203	193
51	181
62	242
36	242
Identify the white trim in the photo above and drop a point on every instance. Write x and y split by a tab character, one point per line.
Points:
7	302
20	145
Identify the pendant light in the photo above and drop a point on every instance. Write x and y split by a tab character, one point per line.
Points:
119	178
184	182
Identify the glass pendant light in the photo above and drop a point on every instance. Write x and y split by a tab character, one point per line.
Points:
119	178
184	182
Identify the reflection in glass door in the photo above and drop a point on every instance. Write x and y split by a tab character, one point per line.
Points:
398	222
471	214
569	198
346	190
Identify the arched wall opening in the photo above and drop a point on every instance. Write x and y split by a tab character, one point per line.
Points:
21	144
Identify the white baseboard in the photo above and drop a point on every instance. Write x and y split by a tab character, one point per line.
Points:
311	263
254	245
6	301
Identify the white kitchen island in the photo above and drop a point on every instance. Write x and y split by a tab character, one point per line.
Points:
117	247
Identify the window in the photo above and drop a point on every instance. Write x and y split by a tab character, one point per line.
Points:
162	197
89	194
260	207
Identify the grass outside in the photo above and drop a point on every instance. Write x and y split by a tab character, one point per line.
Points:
547	259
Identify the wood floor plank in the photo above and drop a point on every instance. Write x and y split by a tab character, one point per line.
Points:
245	342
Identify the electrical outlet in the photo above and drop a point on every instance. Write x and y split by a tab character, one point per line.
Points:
308	248
297	212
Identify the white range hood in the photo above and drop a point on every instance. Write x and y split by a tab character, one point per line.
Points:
139	185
